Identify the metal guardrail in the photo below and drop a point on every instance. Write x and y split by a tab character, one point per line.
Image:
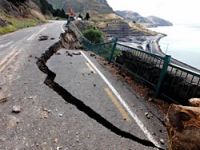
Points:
146	66
167	79
181	84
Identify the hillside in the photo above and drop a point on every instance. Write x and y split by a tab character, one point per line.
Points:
159	21
100	6
17	14
150	21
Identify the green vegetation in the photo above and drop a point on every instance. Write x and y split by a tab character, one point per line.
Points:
17	23
48	9
93	34
98	46
105	51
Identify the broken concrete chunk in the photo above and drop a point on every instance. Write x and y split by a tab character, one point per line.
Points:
43	38
150	99
16	109
77	53
13	122
56	141
3	100
148	115
195	102
60	115
92	55
162	141
69	54
44	115
58	53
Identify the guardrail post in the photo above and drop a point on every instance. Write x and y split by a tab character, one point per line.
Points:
167	59
113	49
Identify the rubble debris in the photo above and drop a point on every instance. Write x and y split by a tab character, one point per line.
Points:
16	109
58	148
52	38
183	127
3	100
150	99
92	55
30	56
31	97
69	54
13	122
162	141
94	85
77	53
43	38
44	114
148	115
57	53
60	115
195	102
56	141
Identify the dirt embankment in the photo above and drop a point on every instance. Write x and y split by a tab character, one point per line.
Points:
19	14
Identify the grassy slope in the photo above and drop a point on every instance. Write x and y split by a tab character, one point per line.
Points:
14	23
17	23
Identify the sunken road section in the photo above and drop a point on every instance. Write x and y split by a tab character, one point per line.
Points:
68	39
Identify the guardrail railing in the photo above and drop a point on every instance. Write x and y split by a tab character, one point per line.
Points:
181	84
167	79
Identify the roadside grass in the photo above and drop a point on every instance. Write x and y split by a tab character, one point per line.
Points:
18	23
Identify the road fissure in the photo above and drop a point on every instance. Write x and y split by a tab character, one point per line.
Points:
68	97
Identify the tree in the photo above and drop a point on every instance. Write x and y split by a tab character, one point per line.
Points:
93	35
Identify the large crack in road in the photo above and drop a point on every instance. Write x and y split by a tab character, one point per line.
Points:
68	97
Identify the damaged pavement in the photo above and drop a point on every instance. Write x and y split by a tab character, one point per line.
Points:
66	105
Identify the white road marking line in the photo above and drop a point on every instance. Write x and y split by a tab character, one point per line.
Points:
134	116
90	67
35	34
62	28
5	45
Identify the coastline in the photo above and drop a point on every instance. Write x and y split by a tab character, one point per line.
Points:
155	44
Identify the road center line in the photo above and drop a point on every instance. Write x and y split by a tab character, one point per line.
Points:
123	112
134	116
9	60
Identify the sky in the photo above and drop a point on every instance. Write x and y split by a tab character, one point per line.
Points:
176	11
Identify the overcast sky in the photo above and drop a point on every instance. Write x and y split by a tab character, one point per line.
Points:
176	11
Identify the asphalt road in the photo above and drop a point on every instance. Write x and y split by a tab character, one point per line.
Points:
46	121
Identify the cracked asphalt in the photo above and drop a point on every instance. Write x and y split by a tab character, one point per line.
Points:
46	121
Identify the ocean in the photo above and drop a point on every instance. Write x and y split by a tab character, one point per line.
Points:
182	42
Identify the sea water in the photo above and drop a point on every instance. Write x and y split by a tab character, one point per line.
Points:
182	42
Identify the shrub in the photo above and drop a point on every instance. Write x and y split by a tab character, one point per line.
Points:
93	35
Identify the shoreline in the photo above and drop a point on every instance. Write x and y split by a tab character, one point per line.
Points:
173	60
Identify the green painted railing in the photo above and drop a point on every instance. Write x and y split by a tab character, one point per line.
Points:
167	79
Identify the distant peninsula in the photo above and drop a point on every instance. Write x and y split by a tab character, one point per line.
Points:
150	21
